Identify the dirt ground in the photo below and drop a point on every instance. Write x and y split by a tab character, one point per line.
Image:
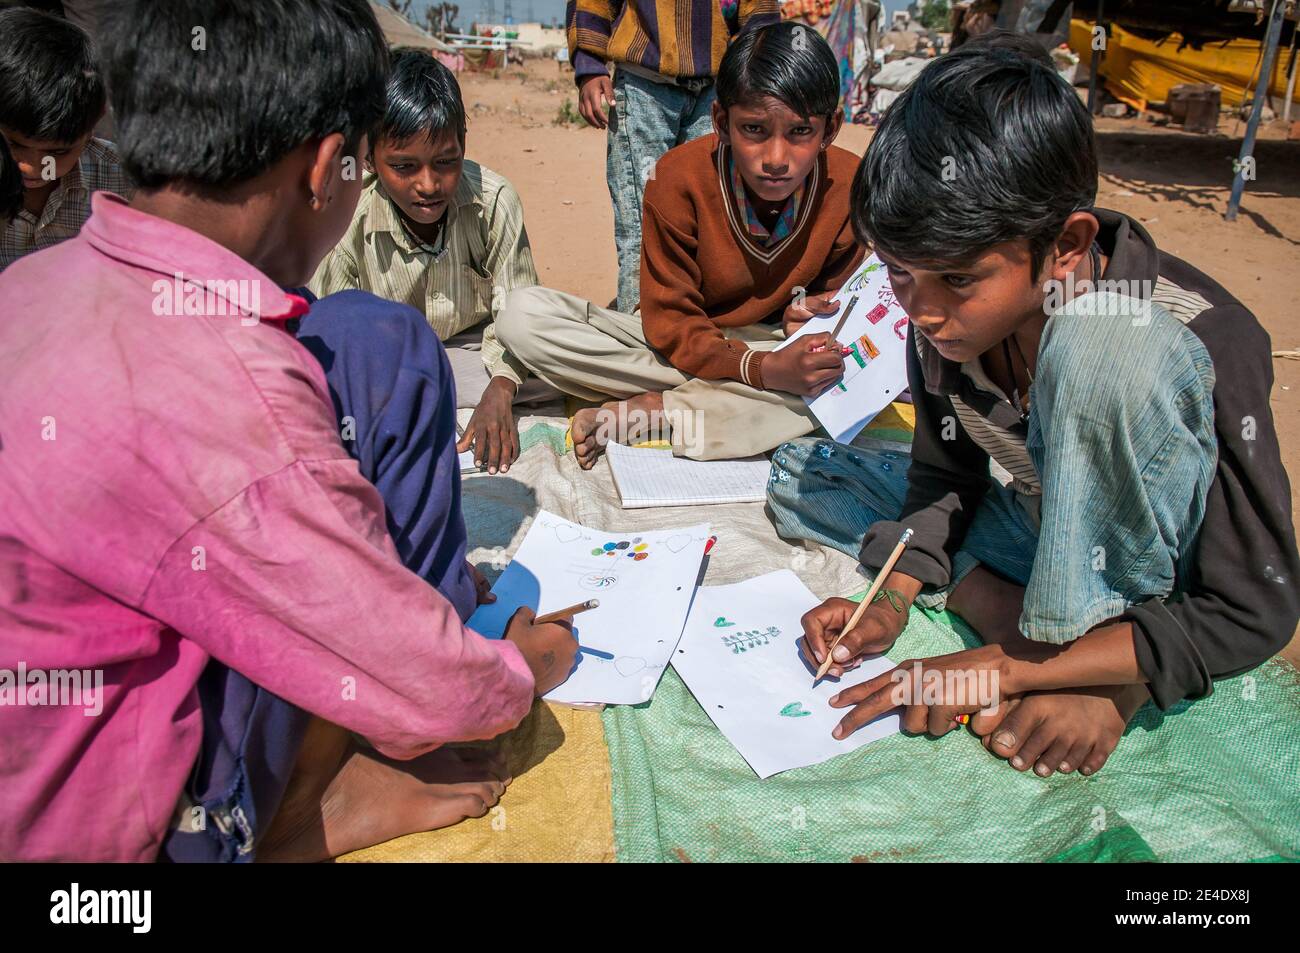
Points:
1177	184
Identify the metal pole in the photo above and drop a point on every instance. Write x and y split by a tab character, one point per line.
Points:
1245	161
1096	60
1290	77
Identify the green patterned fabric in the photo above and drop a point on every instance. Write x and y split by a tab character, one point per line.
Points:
1213	780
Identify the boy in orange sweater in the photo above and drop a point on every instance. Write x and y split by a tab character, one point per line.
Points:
746	235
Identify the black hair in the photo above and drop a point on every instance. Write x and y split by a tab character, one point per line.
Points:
214	94
986	146
423	97
1022	43
52	90
786	61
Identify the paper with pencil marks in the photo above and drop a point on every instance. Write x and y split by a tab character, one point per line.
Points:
751	680
644	581
875	367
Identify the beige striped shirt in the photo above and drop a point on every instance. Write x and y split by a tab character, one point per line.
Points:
68	206
482	255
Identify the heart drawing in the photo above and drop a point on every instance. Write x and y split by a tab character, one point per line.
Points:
794	710
567	533
679	542
721	622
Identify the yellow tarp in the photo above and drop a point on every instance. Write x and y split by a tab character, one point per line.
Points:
1138	71
556	809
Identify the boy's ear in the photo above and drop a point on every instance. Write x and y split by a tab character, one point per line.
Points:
834	124
325	172
1077	236
720	123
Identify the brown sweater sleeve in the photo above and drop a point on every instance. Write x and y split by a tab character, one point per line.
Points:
672	307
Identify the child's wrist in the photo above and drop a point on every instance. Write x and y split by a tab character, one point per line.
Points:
751	368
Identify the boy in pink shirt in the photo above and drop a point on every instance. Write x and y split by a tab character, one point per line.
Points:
183	517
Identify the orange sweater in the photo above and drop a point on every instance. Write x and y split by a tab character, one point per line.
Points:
701	272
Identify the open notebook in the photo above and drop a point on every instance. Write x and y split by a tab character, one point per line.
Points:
646	476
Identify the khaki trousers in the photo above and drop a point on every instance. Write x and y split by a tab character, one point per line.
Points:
596	353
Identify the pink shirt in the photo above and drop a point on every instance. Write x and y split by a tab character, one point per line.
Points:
173	487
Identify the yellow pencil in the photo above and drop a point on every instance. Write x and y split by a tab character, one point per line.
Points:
559	614
885	570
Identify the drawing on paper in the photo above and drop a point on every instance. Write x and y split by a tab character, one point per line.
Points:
794	710
751	639
564	532
861	353
633	549
598	581
722	622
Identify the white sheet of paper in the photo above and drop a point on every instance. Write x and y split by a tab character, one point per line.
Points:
864	391
648	476
739	656
466	459
643	601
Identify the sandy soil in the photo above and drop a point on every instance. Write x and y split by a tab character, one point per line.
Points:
1176	183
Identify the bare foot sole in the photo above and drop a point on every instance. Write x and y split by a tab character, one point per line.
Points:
1069	730
372	799
623	421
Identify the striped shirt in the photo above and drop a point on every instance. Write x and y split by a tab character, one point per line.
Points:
68	206
481	255
998	429
680	39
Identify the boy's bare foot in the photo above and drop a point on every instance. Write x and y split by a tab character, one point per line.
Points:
624	421
1068	730
372	799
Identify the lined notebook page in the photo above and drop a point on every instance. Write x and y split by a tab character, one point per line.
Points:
651	477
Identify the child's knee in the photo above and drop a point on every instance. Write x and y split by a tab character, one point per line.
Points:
516	319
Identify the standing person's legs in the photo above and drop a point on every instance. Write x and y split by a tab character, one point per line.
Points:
697	115
643	125
263	759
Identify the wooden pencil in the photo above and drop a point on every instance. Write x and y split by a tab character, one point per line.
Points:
559	614
885	570
839	325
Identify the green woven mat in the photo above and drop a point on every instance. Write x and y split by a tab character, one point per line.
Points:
1218	779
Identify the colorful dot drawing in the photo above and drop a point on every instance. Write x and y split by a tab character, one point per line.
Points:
634	549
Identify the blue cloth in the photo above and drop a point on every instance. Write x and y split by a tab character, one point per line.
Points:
648	119
1121	434
394	397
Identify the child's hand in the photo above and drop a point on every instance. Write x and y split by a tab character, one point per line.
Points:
482	588
812	305
808	366
932	692
549	648
876	632
593	90
492	430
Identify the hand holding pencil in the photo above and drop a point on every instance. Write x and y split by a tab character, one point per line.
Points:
869	627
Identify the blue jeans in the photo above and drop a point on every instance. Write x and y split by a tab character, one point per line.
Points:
1121	434
648	119
392	389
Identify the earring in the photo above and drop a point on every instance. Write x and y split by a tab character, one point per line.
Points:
314	203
